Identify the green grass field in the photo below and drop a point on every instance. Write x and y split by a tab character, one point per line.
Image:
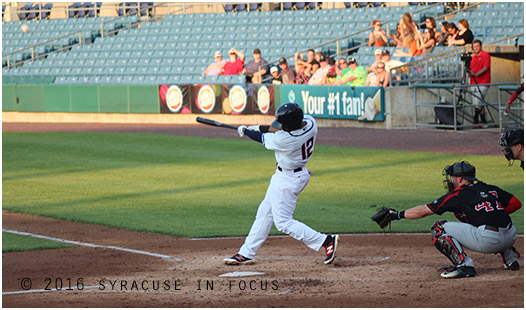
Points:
202	187
12	243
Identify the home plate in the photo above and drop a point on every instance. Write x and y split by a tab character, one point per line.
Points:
241	274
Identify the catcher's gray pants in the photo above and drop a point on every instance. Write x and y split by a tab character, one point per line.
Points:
482	240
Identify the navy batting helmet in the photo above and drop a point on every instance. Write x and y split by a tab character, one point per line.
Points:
288	116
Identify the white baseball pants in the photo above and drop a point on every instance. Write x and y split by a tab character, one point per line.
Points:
278	208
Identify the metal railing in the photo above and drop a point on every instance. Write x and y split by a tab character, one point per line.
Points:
458	100
441	67
35	56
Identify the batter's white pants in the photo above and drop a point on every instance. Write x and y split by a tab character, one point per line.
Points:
278	208
481	240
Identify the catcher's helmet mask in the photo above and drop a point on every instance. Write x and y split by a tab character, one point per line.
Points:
288	117
511	138
461	169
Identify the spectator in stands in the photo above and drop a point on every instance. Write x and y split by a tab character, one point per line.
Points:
410	48
341	68
356	76
390	63
318	77
287	74
426	42
312	60
377	37
236	63
453	32
480	73
444	34
409	27
378	56
318	56
397	39
432	24
464	36
216	67
255	68
303	69
379	77
276	78
331	74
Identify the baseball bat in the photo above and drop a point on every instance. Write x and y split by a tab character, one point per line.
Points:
210	122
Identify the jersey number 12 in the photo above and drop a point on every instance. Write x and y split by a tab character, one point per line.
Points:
306	148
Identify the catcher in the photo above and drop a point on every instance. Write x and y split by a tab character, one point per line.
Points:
483	211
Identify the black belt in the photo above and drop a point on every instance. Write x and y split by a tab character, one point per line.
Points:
295	170
492	228
495	228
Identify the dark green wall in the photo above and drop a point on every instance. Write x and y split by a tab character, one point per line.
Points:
81	98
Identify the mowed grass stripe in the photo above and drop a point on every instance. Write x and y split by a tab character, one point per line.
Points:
14	243
204	187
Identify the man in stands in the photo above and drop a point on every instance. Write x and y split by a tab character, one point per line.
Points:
216	67
378	56
341	68
355	77
480	73
312	61
235	65
287	74
256	68
390	63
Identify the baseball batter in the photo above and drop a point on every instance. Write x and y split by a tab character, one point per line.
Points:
483	211
293	146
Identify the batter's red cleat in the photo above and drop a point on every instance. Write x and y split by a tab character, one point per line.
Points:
238	259
330	248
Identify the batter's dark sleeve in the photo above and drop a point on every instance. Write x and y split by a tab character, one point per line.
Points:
254	135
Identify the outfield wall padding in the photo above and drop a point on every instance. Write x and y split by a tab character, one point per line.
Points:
81	98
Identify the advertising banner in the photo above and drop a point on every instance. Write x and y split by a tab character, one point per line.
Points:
337	102
217	99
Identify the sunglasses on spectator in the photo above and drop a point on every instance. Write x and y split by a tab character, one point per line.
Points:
380	25
343	63
381	67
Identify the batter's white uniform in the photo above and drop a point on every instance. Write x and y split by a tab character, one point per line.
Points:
293	150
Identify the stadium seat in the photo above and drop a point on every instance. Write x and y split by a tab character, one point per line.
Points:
287	5
228	7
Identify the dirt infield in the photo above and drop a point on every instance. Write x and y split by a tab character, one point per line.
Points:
374	270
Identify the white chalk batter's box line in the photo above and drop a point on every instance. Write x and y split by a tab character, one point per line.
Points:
91	245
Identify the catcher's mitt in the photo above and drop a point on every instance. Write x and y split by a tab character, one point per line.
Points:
384	216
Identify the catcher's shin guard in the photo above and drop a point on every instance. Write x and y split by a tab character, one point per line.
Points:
450	248
446	244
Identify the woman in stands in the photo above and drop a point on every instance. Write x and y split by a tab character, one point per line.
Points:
377	37
410	49
464	36
408	26
397	39
432	24
453	32
444	35
426	42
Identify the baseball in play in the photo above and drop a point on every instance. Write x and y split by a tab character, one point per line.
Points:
24	28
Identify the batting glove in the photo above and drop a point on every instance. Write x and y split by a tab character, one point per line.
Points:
241	130
253	128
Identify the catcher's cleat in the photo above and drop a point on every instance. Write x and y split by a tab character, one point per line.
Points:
330	249
447	268
238	259
513	266
460	272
